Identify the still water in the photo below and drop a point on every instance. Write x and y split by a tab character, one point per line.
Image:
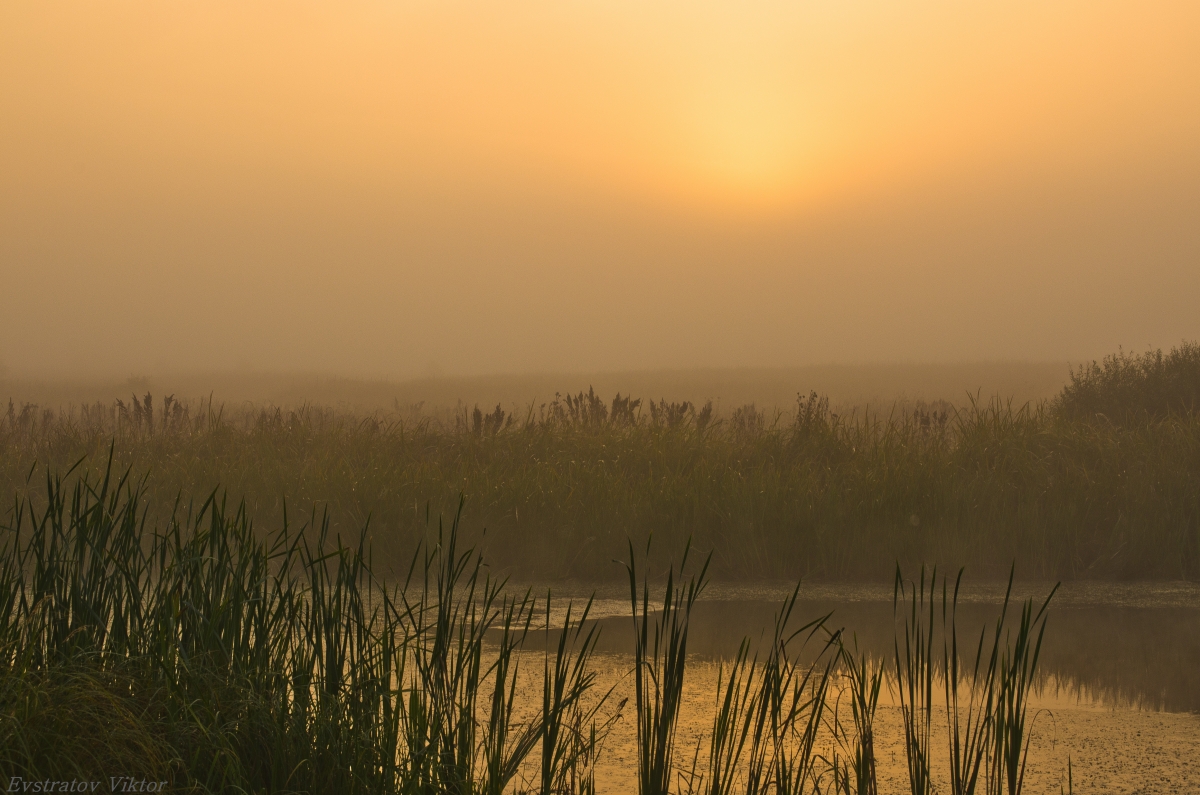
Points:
1118	695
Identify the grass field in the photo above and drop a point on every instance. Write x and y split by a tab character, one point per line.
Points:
1100	482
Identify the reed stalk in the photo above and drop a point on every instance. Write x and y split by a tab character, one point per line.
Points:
1018	670
857	774
914	667
571	733
222	658
659	666
969	736
737	696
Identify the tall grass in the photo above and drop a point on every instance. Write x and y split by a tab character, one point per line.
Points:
811	492
856	773
791	706
914	672
571	732
1018	666
987	730
970	726
659	665
768	714
216	657
733	721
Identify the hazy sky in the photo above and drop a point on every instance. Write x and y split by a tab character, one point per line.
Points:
399	187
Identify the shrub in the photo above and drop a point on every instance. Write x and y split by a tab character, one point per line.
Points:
1129	387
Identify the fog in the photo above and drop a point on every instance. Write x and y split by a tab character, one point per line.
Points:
404	190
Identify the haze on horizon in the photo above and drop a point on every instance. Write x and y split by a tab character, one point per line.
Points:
390	189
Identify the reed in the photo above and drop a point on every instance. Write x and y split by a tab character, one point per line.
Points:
770	714
571	733
659	666
736	699
987	730
792	706
816	492
914	672
1018	668
969	735
856	775
220	658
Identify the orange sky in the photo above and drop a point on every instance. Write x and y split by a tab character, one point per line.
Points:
389	188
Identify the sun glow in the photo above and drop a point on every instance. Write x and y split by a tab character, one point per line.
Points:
716	159
749	143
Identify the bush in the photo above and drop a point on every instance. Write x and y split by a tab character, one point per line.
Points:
1128	388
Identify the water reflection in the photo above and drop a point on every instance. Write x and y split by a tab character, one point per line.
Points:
1116	662
1118	646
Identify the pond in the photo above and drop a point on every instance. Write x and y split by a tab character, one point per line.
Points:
1118	696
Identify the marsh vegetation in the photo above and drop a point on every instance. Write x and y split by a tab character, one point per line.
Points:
156	626
1097	483
208	657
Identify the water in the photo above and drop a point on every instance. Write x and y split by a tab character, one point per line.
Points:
1119	693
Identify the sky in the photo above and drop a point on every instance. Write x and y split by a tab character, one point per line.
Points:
411	188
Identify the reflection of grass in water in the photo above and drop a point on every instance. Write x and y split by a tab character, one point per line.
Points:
1065	490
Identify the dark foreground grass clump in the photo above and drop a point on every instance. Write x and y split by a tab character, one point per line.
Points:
206	658
216	660
1098	484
